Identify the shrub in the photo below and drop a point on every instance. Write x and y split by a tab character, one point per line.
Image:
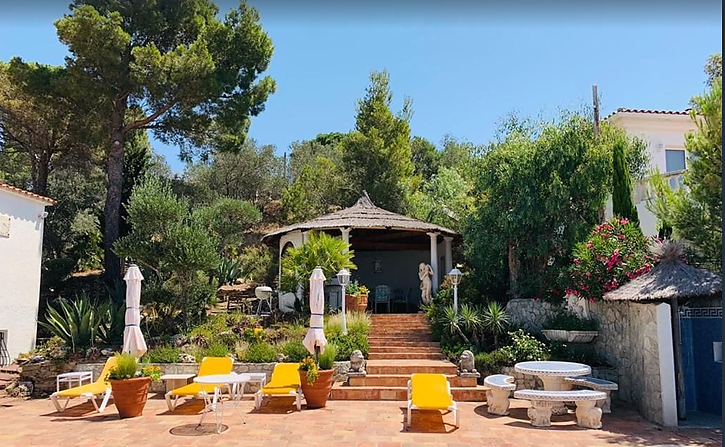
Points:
357	323
260	352
258	264
615	253
126	366
488	363
326	360
162	354
524	347
576	352
346	344
294	350
569	321
77	322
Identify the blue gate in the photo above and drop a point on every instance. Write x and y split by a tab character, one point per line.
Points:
701	329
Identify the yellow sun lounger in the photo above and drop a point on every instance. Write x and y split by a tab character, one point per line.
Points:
430	392
89	391
209	366
285	381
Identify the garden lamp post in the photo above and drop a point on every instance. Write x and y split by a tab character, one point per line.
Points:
455	275
343	277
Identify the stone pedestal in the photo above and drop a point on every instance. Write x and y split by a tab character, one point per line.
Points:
588	415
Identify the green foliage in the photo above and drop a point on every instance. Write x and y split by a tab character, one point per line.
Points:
713	68
309	366
377	155
110	332
328	252
537	194
294	350
615	253
346	344
258	264
154	372
77	322
488	363
568	321
315	190
357	323
425	157
162	354
444	199
576	352
494	320
126	367
524	347
229	271
228	219
259	352
326	360
622	203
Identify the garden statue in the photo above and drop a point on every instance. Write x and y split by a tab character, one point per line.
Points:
425	271
578	306
467	364
357	362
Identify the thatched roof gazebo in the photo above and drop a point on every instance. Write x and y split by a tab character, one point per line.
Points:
388	247
671	281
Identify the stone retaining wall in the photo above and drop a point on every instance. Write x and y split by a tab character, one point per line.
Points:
630	335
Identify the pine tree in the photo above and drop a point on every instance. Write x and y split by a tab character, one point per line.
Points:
622	203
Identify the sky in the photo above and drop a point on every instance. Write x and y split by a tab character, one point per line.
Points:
465	65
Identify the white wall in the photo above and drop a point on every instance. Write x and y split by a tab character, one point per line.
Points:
661	132
20	258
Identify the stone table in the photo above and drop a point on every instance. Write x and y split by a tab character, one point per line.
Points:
552	374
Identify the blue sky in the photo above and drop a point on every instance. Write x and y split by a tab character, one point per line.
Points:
464	68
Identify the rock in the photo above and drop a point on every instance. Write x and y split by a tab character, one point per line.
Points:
179	340
281	358
187	358
107	352
36	359
93	354
20	389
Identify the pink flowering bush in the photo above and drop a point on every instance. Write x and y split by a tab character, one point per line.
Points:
615	253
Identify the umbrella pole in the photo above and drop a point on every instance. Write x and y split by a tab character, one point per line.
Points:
317	354
677	353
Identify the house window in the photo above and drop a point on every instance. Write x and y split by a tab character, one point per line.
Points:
675	160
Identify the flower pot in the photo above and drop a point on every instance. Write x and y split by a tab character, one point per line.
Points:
355	303
316	394
569	336
555	335
130	395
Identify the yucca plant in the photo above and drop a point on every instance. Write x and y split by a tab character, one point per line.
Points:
76	322
471	321
451	322
494	320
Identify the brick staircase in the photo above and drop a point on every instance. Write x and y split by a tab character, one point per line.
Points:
400	345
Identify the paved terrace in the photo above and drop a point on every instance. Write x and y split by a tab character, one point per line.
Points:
342	423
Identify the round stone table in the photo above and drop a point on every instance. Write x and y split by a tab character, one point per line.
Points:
552	374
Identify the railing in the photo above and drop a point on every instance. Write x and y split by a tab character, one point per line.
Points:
4	353
643	190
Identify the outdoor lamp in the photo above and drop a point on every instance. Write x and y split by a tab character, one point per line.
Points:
455	275
343	277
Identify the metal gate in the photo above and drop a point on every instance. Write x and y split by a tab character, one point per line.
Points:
701	329
4	354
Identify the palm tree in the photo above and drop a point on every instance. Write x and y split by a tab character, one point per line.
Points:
494	320
471	320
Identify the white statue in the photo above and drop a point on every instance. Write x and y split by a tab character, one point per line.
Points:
425	271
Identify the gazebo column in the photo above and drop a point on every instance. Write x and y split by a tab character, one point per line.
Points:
434	260
449	253
346	237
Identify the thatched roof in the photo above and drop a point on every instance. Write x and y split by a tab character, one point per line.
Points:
364	214
670	279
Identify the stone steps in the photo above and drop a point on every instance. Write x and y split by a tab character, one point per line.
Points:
393	340
377	343
400	393
401	380
408	366
405	355
405	349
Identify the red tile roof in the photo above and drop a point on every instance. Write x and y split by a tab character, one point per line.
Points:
27	193
650	111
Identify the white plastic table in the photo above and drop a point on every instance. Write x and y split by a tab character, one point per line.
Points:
73	377
213	403
552	374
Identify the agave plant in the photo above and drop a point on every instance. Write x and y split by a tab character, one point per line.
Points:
76	322
494	320
229	271
111	330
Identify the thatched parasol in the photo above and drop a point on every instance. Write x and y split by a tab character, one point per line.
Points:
670	281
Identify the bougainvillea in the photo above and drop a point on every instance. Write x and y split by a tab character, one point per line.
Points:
615	253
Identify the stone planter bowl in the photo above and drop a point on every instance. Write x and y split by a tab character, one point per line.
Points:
569	336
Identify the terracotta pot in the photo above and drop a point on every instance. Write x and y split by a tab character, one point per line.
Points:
353	303
316	394
130	395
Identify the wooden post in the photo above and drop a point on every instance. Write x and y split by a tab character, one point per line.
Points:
595	99
677	353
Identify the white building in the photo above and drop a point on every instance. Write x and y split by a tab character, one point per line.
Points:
664	131
22	214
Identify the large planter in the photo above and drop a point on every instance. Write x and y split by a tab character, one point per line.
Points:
316	394
569	336
130	395
355	303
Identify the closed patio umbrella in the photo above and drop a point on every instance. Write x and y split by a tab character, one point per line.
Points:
316	335
133	341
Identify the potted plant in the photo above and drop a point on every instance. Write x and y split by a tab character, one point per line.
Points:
131	386
356	297
568	327
316	378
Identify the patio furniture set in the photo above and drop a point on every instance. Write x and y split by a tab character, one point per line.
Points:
558	378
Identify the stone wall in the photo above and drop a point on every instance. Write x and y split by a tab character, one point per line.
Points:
629	341
42	375
529	314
